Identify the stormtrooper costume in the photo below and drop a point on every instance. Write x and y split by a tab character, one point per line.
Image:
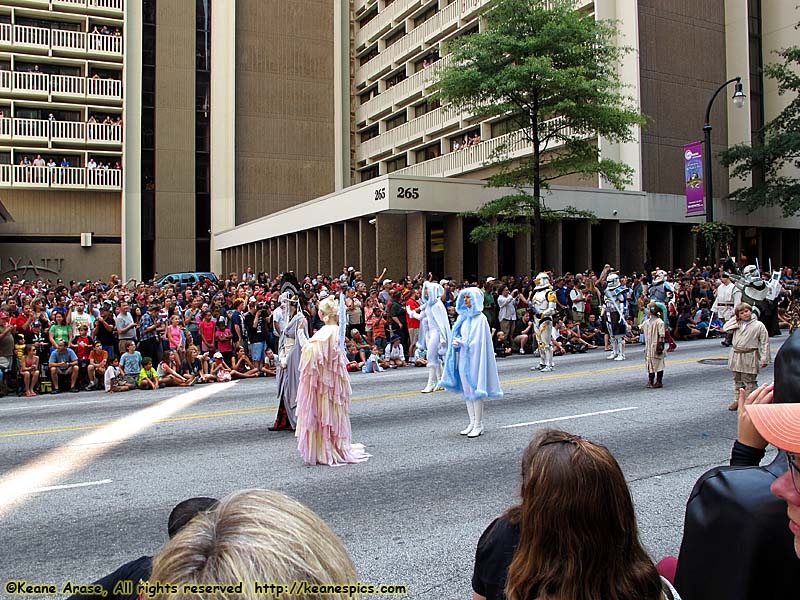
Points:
614	314
470	367
543	306
754	290
662	293
434	335
726	297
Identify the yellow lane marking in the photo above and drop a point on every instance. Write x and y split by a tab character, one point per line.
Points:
262	409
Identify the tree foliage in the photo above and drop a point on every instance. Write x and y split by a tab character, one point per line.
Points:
777	159
552	72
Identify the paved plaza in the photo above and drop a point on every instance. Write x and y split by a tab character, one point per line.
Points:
412	514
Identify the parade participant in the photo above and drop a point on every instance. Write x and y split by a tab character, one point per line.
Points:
543	304
294	334
754	290
727	296
654	333
750	350
661	292
470	366
615	315
434	331
323	397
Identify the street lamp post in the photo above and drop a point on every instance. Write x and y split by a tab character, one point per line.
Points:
738	102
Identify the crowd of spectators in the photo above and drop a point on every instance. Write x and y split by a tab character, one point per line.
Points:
71	333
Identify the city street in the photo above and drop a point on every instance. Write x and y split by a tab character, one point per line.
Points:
412	514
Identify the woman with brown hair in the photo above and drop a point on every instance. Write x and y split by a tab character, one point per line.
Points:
573	536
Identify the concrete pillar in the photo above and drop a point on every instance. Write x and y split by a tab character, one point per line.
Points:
454	247
273	256
522	250
390	244
337	248
583	245
487	259
611	249
312	251
684	246
351	244
553	242
264	256
633	246
416	244
367	250
660	246
324	249
773	248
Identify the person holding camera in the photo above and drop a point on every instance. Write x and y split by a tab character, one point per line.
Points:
255	324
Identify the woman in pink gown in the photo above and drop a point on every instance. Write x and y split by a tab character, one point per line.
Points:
323	397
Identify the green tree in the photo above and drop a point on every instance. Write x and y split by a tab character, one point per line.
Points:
552	72
775	158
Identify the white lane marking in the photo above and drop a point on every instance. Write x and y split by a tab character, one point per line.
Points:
569	417
58	463
70	486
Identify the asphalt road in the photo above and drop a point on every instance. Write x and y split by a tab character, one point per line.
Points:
412	514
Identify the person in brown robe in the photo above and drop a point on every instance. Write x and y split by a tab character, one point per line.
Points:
654	332
750	350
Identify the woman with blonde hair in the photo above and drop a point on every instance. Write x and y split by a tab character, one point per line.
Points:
256	537
323	396
574	535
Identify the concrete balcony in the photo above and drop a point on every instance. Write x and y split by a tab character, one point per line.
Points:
5	129
387	18
103	89
111	8
439	25
31	39
31	130
104	46
19	176
68	87
416	129
30	85
413	86
6	78
70	132
103	134
6	35
68	5
68	42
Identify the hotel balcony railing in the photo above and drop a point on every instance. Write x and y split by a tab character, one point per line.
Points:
106	7
474	158
427	124
22	176
42	85
42	130
439	24
382	22
395	95
75	43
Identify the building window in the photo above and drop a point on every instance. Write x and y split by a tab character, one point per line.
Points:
429	153
419	20
368	56
396	78
395	35
202	129
426	107
401	162
369	173
370	133
396	120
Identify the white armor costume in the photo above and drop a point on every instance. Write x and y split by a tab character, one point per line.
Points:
544	308
727	296
615	314
434	332
753	289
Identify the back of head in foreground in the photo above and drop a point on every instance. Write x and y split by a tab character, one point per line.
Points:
254	535
578	533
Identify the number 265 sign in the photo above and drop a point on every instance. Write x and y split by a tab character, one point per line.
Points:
408	193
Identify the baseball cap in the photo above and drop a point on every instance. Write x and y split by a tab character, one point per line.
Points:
779	424
385	281
217	354
489	279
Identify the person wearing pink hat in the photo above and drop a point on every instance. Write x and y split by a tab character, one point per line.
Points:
779	424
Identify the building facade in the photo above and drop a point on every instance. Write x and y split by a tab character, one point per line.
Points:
406	167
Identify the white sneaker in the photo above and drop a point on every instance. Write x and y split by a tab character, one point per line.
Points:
522	350
619	357
546	369
611	356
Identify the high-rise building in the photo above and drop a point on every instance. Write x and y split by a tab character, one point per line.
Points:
407	167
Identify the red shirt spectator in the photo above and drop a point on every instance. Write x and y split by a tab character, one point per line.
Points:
413	305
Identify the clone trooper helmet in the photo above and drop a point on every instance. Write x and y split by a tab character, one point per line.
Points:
750	272
613	281
542	281
659	276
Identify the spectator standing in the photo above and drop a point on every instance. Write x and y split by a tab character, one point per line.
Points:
257	328
125	327
412	304
578	301
507	305
489	303
103	331
131	363
150	328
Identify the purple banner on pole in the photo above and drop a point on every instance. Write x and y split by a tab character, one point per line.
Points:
693	175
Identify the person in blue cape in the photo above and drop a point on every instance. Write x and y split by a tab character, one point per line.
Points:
470	366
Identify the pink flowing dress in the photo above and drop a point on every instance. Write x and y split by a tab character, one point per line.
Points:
323	403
